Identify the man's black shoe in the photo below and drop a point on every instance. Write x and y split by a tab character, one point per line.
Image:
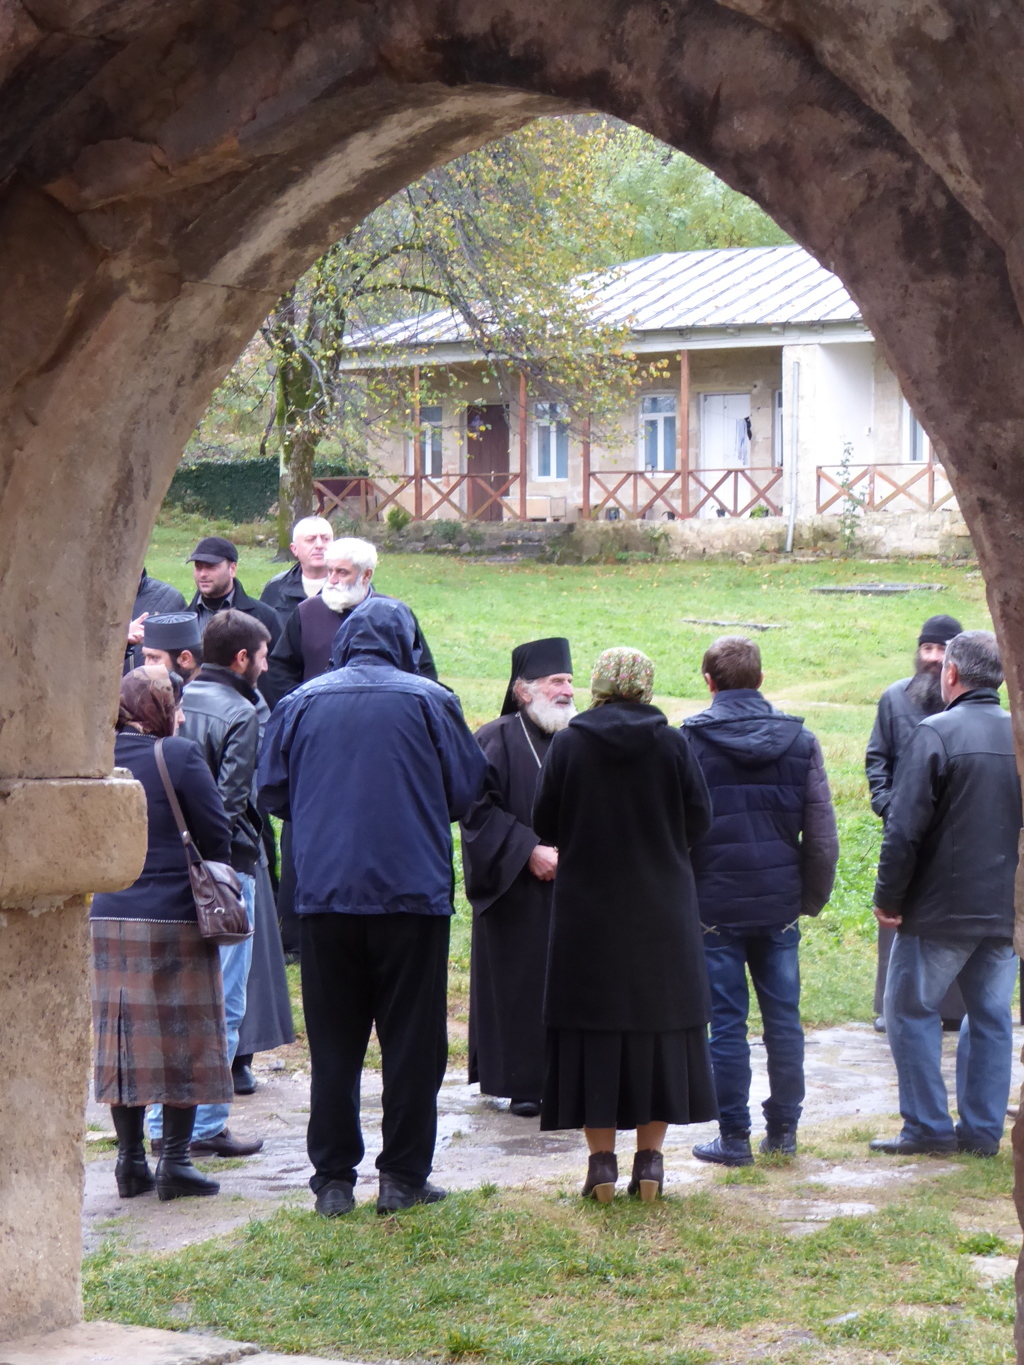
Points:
780	1140
223	1144
879	1024
731	1149
334	1199
904	1146
243	1078
970	1149
397	1194
524	1109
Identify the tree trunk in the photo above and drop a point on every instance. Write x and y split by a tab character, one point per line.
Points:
298	440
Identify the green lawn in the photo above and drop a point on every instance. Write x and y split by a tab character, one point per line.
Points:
830	663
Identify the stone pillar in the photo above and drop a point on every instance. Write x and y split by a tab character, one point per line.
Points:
58	840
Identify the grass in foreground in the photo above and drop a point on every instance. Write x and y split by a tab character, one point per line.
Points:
525	1277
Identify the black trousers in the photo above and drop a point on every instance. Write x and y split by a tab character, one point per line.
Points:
392	971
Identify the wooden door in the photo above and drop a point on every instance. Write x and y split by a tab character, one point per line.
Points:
487	439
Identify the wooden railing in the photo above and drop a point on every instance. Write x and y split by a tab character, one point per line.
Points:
463	497
874	487
679	494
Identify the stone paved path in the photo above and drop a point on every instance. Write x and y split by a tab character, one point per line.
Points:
849	1079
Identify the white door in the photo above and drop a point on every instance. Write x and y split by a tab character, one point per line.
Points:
724	430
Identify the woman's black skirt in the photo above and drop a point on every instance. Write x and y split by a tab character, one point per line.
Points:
607	1079
157	1015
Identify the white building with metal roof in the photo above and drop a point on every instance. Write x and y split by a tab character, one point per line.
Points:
789	408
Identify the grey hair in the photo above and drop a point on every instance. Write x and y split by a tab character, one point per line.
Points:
976	656
305	523
360	553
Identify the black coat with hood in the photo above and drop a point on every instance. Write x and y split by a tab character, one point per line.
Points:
153	597
771	852
621	797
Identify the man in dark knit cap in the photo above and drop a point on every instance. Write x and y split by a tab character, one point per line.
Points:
175	641
510	879
901	709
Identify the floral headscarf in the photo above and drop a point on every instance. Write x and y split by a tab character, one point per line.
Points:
148	703
622	674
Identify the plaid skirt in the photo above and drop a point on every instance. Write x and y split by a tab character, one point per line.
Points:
157	1015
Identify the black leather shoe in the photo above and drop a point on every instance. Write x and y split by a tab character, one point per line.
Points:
780	1140
970	1149
223	1144
132	1171
395	1194
904	1146
648	1178
176	1177
732	1149
243	1079
602	1173
334	1199
524	1109
879	1024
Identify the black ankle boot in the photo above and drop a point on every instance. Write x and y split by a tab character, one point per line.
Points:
176	1177
132	1171
648	1175
602	1173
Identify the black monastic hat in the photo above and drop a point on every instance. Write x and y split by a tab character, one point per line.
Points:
173	631
536	659
939	630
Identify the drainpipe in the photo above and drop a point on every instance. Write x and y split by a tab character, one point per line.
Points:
794	424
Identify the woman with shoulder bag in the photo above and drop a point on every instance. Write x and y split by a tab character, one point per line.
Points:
157	996
626	996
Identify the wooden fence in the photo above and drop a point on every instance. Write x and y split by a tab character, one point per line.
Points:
874	487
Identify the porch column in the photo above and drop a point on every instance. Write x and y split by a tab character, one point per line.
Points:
523	455
683	432
585	453
800	442
417	447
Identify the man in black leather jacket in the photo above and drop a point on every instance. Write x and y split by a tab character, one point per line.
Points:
945	884
310	539
220	715
902	707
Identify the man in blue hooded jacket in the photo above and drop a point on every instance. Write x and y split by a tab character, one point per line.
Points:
372	764
769	857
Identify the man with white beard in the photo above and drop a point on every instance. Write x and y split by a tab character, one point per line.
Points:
510	879
304	649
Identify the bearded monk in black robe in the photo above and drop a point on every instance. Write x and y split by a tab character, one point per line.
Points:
510	877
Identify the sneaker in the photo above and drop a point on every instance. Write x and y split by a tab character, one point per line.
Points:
398	1194
728	1149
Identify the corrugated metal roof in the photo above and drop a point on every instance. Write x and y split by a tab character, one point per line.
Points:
726	287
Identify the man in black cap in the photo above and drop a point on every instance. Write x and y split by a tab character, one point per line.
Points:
510	879
174	640
901	709
215	567
152	596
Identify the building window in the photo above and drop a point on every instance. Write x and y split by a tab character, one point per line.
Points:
430	443
725	430
658	431
551	440
916	445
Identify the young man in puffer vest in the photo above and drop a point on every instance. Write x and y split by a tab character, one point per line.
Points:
769	857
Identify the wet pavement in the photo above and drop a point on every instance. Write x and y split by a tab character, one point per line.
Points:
850	1082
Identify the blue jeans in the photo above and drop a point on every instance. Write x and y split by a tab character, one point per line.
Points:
235	962
920	972
773	960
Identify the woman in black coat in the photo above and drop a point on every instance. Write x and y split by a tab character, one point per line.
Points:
157	995
626	1001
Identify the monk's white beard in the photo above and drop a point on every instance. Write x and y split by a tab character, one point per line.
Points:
550	716
339	598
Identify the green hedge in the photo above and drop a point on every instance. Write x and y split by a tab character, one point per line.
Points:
241	490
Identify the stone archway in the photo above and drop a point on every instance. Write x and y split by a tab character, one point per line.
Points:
167	171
